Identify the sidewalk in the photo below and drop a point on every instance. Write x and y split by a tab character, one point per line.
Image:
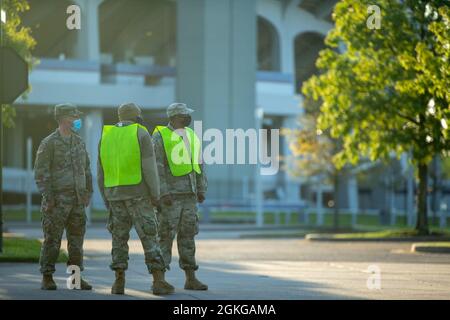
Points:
247	269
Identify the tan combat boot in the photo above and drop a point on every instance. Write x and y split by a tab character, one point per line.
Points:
119	285
48	283
160	285
192	283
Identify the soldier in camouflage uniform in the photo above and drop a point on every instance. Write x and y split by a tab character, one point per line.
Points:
131	202
179	196
63	176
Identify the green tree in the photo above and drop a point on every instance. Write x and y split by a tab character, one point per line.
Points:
18	37
386	91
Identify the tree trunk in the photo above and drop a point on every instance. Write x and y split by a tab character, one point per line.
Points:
437	185
422	215
336	196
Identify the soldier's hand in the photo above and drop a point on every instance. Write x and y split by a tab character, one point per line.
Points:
49	204
86	200
154	202
201	197
167	200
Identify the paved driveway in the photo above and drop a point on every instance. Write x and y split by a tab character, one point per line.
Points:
236	268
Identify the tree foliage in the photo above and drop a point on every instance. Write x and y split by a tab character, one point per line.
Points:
386	91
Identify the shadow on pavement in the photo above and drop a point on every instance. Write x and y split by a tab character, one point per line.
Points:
226	281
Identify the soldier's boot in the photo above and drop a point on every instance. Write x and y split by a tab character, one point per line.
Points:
119	285
160	285
47	282
84	285
192	283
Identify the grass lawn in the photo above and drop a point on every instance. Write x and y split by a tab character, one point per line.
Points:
365	223
441	244
432	247
24	250
20	215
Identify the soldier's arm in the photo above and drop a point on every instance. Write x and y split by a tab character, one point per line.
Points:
100	178
161	163
42	169
202	181
88	175
148	164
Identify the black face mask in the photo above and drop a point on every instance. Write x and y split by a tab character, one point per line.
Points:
140	120
186	121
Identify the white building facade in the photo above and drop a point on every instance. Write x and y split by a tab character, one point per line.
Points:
225	58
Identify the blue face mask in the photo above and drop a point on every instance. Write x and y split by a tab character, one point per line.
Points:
76	125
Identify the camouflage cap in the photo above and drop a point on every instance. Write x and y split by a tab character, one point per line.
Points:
66	110
128	111
178	108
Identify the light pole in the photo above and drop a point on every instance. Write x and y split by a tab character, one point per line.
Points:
3	21
3	16
259	115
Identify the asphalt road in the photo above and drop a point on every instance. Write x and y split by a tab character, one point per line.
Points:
236	268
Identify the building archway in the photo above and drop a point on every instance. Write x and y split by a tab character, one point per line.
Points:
268	46
307	46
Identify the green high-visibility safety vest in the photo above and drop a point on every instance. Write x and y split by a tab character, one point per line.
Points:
120	155
180	160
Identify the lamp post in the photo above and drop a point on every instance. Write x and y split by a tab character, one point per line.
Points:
259	115
3	20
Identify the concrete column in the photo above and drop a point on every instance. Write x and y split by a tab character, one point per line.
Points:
216	74
88	38
92	130
287	60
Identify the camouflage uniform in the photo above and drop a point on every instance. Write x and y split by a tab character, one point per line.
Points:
131	205
62	174
140	213
181	218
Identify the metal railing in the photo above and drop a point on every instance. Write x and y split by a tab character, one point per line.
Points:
209	208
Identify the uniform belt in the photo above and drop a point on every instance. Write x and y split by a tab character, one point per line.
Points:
70	191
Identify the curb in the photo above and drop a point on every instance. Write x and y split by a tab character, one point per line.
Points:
325	237
271	236
417	247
